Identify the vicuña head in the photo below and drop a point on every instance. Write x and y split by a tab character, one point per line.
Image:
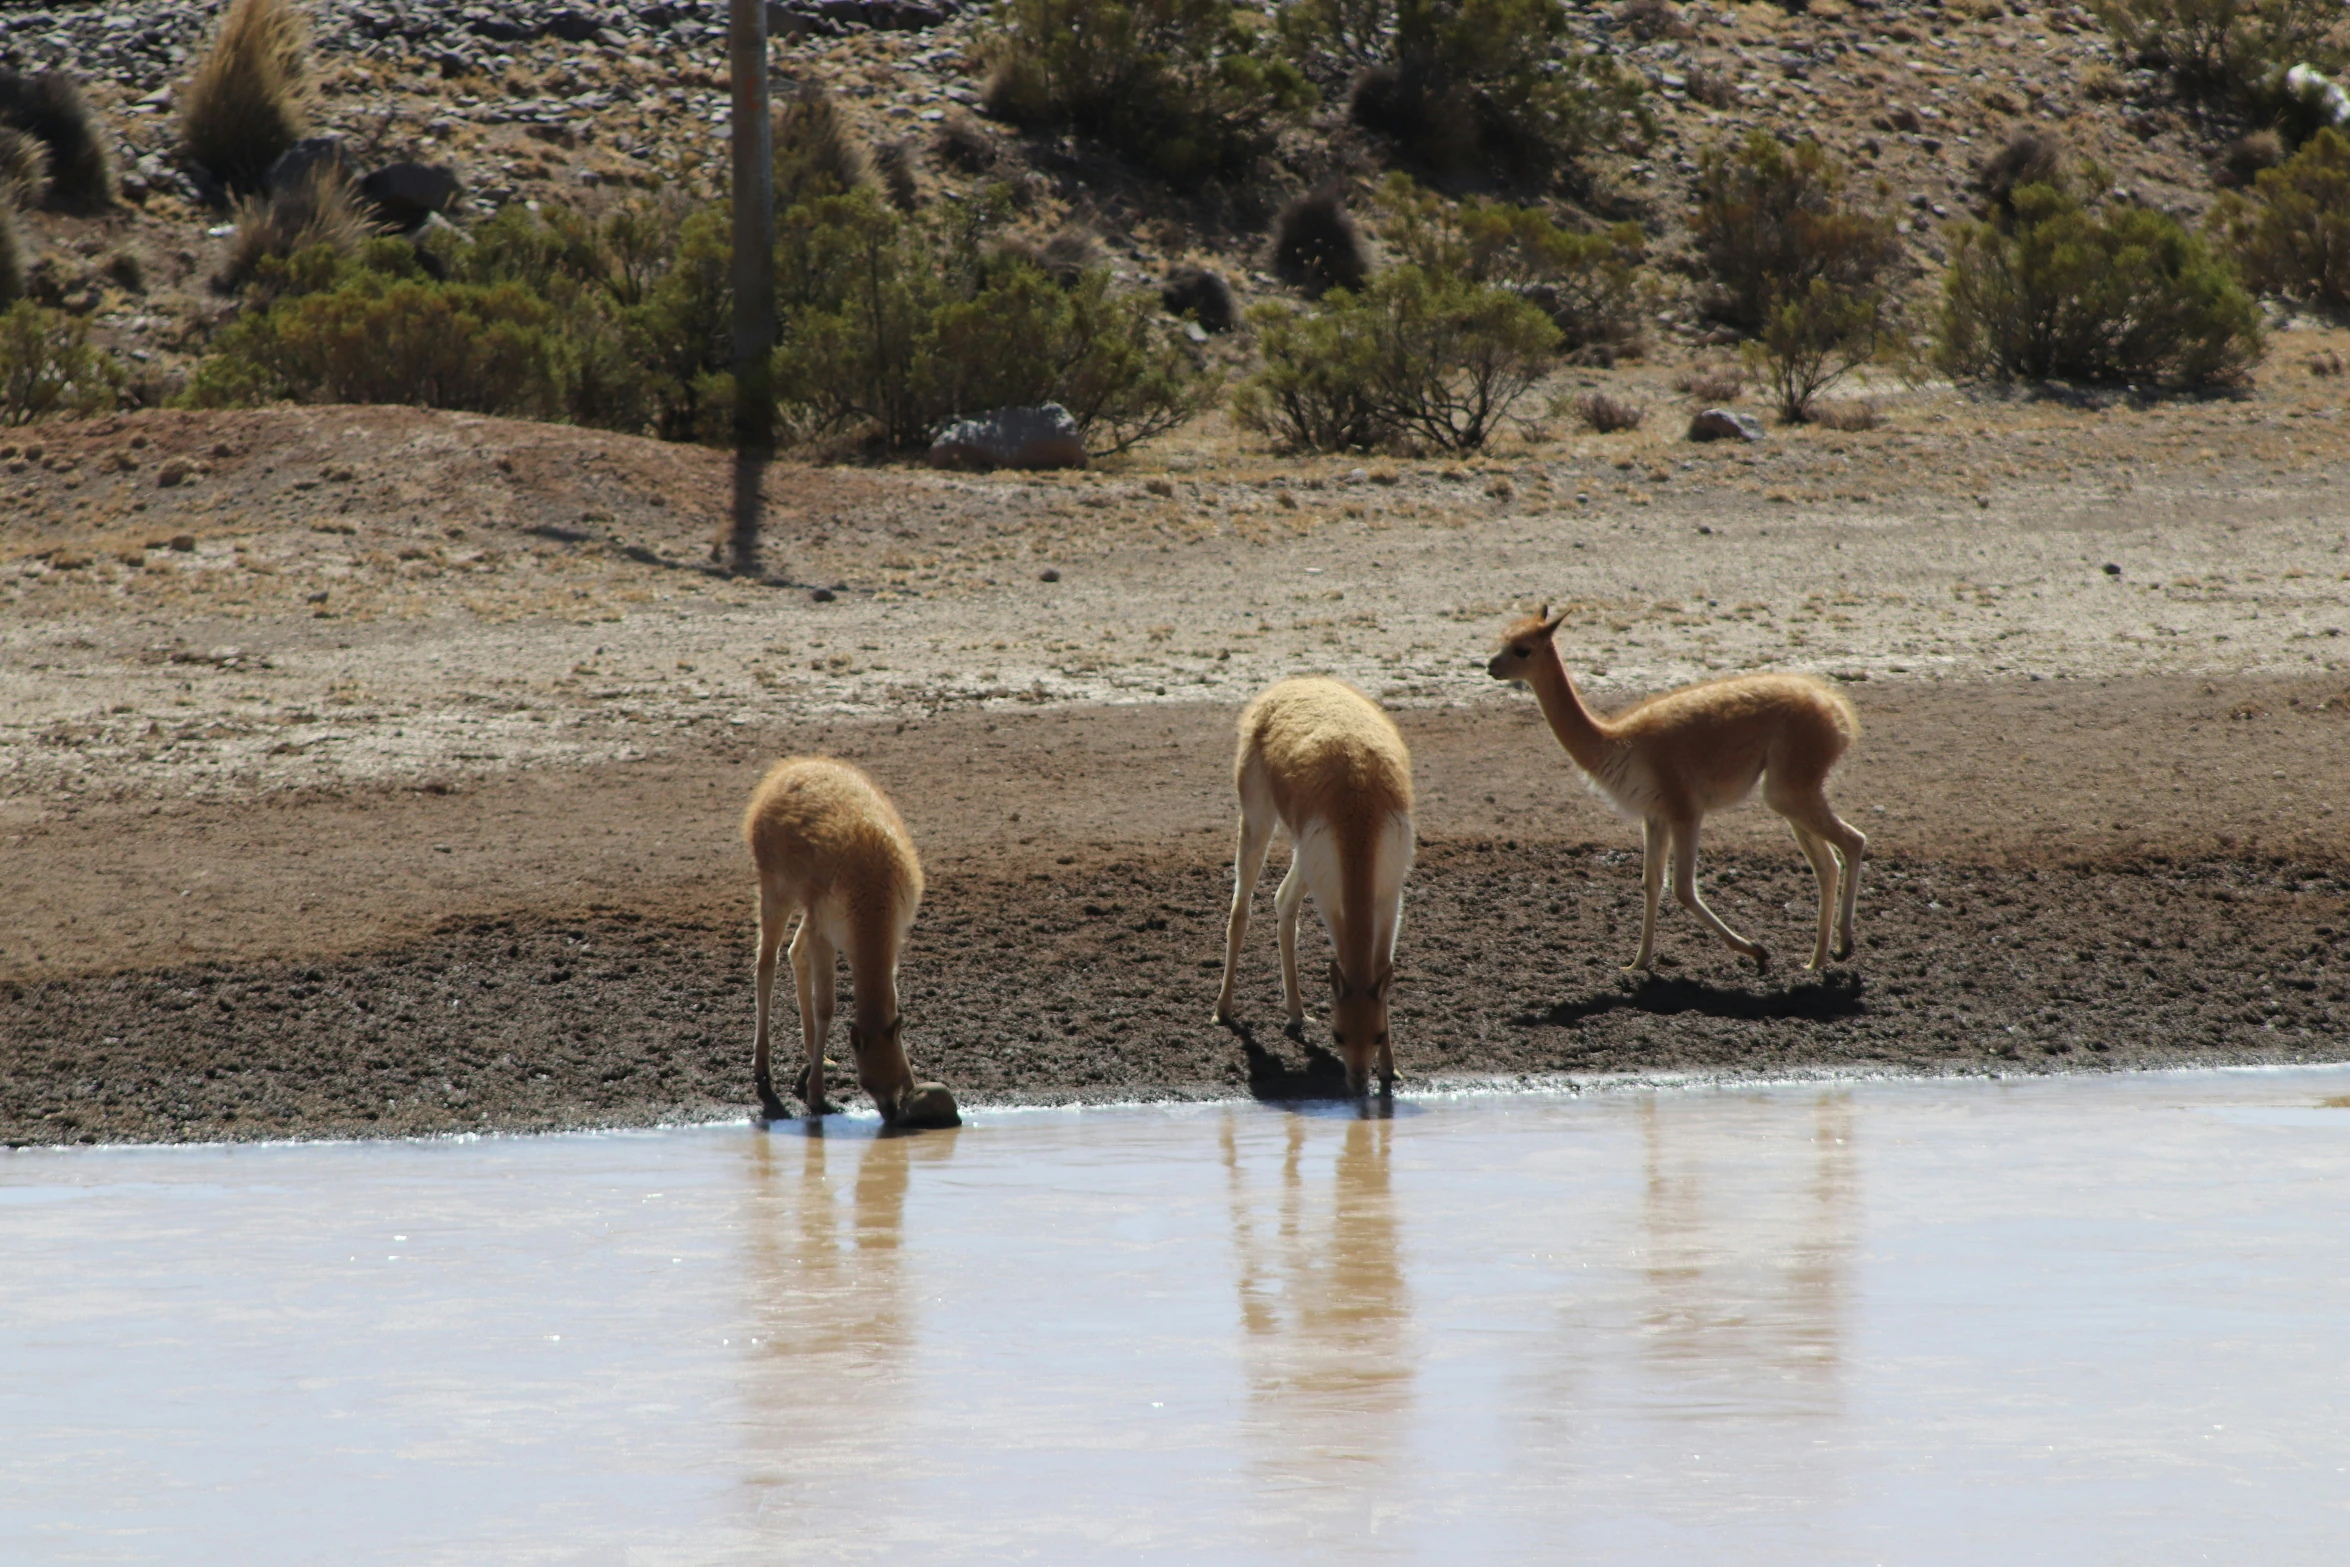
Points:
1669	760
1320	758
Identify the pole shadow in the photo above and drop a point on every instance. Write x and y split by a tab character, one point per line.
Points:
1824	1000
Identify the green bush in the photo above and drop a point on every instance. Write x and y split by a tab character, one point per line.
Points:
1188	88
1587	283
1415	359
47	366
1471	83
2291	236
1816	338
2227	46
2119	293
1772	219
897	324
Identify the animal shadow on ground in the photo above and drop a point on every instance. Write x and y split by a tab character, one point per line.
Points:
1815	1001
1272	1080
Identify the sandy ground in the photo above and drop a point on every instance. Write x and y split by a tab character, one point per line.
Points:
404	797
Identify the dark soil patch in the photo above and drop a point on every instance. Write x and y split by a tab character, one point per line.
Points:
1092	980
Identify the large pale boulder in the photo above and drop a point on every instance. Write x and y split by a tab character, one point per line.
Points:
1043	437
1720	424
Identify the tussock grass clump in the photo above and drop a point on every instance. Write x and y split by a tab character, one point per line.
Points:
893	163
1065	256
2069	291
1202	295
2241	161
1316	246
51	109
249	99
2291	234
817	152
24	168
48	367
2026	158
963	144
1850	415
322	208
1603	414
1712	381
16	260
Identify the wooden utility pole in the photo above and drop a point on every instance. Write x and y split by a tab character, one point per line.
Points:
754	228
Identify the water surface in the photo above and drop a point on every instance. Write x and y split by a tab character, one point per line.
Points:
2070	1320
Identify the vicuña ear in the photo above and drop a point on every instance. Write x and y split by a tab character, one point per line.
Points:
1551	622
1383	984
1337	979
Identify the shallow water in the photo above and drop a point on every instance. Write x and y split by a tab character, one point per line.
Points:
2069	1320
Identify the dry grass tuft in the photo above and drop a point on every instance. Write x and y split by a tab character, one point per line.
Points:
324	208
817	152
51	109
24	168
250	97
895	164
16	261
1603	414
962	144
1316	246
1856	414
1711	381
2325	363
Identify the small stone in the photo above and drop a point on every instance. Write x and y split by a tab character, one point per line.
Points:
1720	424
821	596
928	1106
184	543
1048	575
2112	570
170	476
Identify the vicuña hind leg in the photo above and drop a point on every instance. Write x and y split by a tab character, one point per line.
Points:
1810	813
1823	866
1256	836
1684	843
1652	880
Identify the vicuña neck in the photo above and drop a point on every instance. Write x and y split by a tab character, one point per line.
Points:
1585	738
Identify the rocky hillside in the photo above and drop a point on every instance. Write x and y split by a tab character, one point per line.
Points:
535	102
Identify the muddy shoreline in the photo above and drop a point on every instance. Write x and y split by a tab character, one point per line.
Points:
1091	981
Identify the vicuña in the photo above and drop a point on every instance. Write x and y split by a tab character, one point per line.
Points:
831	849
1320	758
1671	759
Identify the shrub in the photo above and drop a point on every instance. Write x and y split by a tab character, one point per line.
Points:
897	325
2292	235
1188	88
250	97
1472	83
50	108
24	168
1202	295
1412	360
1602	414
322	208
1652	19
1814	339
1587	283
47	366
816	151
2225	46
2120	293
1771	220
1316	246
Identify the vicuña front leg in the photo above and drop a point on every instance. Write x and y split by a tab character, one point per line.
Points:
1652	880
772	917
1684	843
1823	866
1288	899
813	962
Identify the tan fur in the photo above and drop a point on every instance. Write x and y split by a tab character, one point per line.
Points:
1670	760
1320	758
831	849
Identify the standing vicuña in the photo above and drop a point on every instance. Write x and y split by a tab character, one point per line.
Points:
831	848
1672	758
1323	760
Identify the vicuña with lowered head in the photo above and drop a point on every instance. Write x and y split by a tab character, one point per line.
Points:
1320	758
831	849
1671	759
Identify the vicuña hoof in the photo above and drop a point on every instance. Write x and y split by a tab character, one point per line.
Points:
1762	960
1295	1028
1845	951
770	1107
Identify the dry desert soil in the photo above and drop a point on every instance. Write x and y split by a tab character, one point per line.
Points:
378	771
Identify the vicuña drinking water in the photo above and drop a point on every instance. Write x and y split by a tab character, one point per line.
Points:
1319	757
1671	759
831	849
